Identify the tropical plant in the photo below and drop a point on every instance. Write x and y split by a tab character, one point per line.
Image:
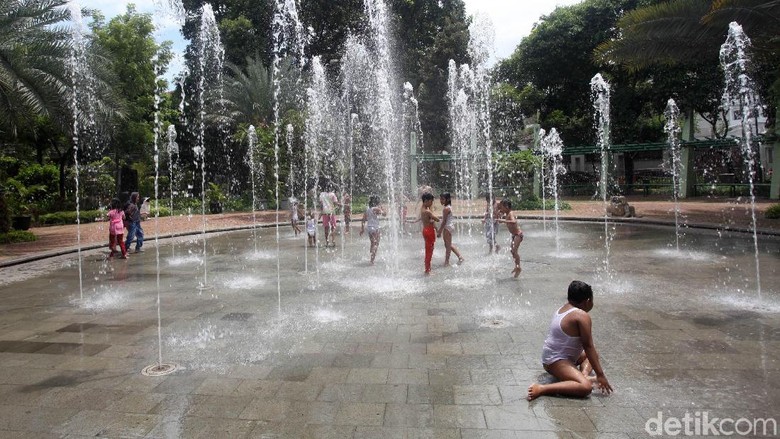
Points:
34	50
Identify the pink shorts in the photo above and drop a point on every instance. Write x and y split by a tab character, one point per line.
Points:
328	220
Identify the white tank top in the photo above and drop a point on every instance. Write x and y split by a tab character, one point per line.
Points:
559	345
372	221
448	223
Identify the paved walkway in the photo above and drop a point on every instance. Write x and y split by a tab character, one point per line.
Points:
732	214
360	351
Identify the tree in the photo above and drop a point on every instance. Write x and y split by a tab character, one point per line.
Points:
136	60
34	51
688	34
554	66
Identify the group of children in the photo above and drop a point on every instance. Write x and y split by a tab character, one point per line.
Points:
496	212
568	354
128	216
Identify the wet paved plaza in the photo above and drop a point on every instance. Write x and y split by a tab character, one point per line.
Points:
338	348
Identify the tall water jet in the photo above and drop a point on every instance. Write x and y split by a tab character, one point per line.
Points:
173	152
288	40
80	103
739	94
672	129
468	95
250	158
543	175
600	95
383	115
159	368
552	145
210	59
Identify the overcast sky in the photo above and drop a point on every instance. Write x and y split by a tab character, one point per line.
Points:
512	19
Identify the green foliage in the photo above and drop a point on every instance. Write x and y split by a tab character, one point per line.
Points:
34	53
214	193
63	218
5	219
773	212
88	216
534	203
13	236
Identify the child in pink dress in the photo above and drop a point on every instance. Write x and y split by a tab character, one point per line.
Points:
116	228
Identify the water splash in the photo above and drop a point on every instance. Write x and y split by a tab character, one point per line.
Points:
672	129
552	146
210	59
600	94
739	94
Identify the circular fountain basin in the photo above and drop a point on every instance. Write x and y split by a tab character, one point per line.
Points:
660	314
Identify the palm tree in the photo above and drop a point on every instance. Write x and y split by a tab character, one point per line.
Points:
34	51
689	31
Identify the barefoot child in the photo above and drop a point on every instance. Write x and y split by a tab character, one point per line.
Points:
346	210
294	215
371	216
491	223
505	208
428	218
116	228
311	230
447	227
569	353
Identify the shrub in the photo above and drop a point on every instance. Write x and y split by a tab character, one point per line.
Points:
17	236
534	203
59	218
773	212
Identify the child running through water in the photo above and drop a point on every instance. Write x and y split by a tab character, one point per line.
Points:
447	227
569	353
311	229
116	228
491	223
294	215
428	218
346	210
505	208
371	216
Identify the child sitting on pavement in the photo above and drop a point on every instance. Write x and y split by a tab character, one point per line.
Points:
569	353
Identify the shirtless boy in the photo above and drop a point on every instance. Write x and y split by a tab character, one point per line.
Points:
569	353
505	208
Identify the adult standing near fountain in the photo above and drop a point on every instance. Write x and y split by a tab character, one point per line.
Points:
428	218
328	203
134	230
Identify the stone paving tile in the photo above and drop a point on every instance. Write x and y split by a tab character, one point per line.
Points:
566	418
379	433
449	377
616	419
460	416
477	394
367	376
409	415
515	417
493	376
360	414
408	376
384	393
341	392
393	361
432	394
208	406
218	386
19	418
466	362
205	428
290	390
109	424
